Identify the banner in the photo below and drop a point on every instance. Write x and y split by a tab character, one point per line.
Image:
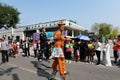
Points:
36	36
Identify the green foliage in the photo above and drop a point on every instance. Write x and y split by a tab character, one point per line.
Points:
102	29
105	30
95	28
115	32
9	16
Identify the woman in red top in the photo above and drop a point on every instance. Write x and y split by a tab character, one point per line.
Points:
116	47
15	49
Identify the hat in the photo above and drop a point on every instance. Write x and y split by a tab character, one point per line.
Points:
61	23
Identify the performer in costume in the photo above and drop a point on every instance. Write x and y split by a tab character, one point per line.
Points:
59	61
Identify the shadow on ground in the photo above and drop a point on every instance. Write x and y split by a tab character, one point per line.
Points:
42	70
15	76
8	72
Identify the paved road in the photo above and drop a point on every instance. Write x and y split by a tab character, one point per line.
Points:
24	68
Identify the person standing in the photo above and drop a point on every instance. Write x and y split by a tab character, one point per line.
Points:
59	44
48	51
40	56
26	48
10	48
117	48
69	49
90	52
77	51
98	50
43	40
115	51
18	46
82	51
15	49
4	51
106	54
35	48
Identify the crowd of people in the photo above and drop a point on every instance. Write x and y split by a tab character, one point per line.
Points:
85	51
72	49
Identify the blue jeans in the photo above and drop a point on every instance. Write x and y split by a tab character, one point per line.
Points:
10	52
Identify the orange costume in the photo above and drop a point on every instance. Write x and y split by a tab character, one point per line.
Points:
59	43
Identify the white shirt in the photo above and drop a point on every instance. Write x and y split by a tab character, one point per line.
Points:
97	46
18	44
0	44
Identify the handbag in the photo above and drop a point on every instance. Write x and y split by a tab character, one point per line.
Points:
57	53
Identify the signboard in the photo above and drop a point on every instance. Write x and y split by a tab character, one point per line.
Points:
36	36
49	34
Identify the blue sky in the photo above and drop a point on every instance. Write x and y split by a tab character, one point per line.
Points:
84	12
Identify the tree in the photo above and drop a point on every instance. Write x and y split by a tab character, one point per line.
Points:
102	29
95	28
9	16
115	32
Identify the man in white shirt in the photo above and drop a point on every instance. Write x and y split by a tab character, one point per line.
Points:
98	50
4	51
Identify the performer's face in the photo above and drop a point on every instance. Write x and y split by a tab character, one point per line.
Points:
61	27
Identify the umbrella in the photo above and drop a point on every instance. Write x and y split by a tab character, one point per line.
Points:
83	37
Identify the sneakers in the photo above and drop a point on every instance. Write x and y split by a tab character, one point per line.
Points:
40	60
68	61
91	62
97	63
67	73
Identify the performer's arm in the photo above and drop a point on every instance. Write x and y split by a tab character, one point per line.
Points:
58	36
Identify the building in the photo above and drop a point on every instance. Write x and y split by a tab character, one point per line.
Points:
15	34
71	29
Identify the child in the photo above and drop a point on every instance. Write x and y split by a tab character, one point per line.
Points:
69	49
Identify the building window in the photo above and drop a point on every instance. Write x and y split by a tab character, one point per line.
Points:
26	28
8	37
50	24
39	25
69	24
70	33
